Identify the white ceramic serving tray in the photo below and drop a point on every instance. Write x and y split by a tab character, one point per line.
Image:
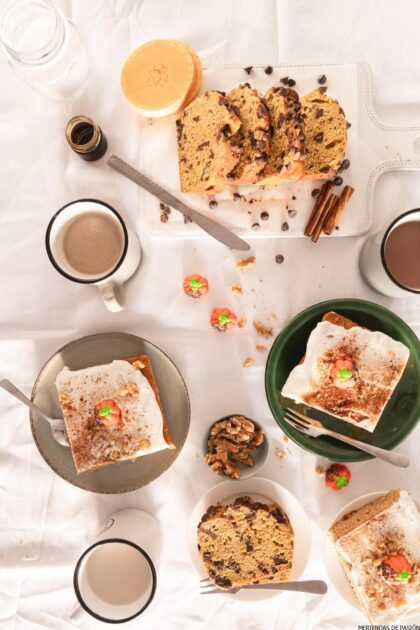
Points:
373	148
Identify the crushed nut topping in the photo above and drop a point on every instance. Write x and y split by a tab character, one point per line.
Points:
138	365
242	322
236	289
280	453
130	389
246	263
259	346
320	471
263	330
248	362
230	443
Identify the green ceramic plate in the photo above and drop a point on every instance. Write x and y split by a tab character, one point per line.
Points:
402	412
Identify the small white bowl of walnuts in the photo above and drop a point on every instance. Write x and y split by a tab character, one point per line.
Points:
235	447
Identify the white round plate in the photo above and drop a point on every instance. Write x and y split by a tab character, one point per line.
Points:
265	491
331	560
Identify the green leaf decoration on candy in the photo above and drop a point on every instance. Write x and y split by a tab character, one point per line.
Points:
344	374
224	318
341	482
195	283
404	576
105	411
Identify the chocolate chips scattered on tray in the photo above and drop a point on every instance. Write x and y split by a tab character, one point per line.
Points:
248	70
230	443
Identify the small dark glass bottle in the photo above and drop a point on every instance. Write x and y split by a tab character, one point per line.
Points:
85	137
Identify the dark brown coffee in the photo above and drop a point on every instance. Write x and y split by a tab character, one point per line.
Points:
402	254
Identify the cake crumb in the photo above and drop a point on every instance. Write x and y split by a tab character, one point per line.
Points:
263	330
259	346
248	362
246	263
236	289
242	322
320	471
280	453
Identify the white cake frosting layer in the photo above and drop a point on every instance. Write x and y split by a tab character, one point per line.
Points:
380	361
142	416
397	527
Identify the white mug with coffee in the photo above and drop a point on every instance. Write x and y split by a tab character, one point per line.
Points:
390	259
115	577
88	242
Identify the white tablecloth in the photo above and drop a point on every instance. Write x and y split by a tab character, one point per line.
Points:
45	522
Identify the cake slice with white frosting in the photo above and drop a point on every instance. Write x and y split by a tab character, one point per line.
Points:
379	548
112	412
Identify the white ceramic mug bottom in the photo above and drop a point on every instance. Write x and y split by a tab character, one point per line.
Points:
131	539
110	284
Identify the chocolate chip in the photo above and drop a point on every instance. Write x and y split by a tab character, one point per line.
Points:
256	226
345	164
261	111
319	112
323	89
322	79
196	118
348	125
319	136
264	216
279	560
281	119
236	196
279	259
324	169
268	70
219	563
316	192
248	70
337	181
293	197
284	80
221	581
212	204
291	83
284	226
292	213
207	555
162	206
187	219
249	546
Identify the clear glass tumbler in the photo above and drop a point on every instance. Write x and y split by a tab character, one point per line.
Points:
43	47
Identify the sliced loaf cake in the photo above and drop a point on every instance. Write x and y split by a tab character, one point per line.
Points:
253	136
246	542
206	151
286	160
325	129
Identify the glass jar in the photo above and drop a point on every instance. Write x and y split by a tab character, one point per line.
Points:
43	47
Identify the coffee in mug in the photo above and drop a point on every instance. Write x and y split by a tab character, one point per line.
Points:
390	260
88	242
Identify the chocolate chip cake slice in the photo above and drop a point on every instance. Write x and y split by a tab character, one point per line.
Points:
246	542
206	151
286	160
325	130
253	136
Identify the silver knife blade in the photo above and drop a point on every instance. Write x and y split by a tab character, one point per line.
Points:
215	229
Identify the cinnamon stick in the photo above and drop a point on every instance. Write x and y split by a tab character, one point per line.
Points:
318	208
337	211
333	199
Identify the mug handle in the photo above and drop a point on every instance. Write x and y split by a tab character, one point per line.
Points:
109	292
76	613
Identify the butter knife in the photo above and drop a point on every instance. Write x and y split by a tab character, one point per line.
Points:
215	229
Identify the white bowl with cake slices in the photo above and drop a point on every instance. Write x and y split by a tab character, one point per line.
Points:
250	531
372	555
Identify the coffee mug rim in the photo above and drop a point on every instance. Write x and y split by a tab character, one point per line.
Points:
57	266
387	232
77	570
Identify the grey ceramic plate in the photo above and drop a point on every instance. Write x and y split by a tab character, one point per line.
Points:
95	350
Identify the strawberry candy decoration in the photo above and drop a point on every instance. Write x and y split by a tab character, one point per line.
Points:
195	286
396	568
108	414
337	477
223	319
343	373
